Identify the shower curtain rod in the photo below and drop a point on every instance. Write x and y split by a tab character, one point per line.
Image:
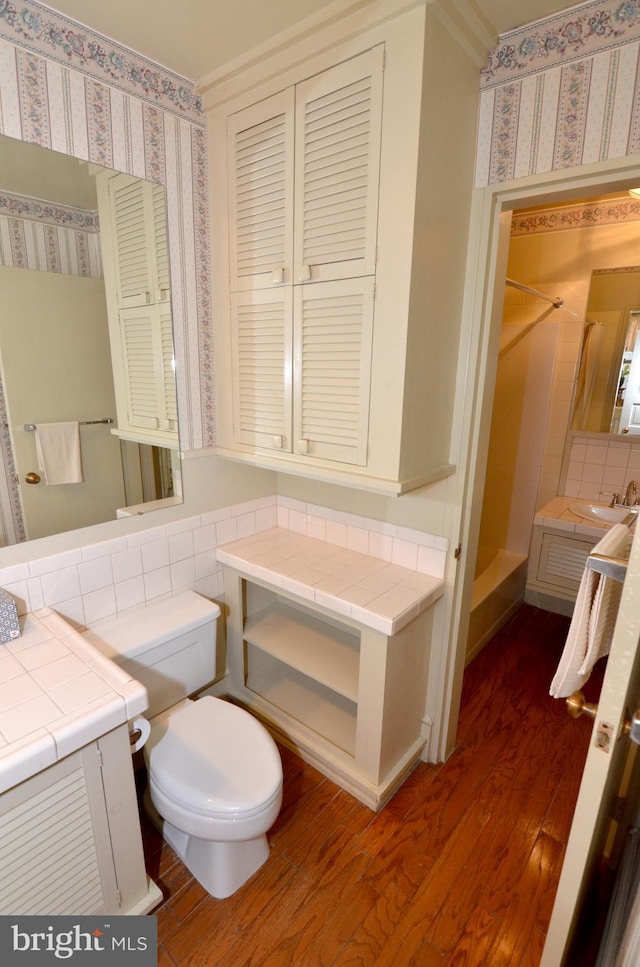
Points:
557	303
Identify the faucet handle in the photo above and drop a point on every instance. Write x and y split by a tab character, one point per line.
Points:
615	498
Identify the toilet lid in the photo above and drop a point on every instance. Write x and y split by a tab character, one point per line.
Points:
215	759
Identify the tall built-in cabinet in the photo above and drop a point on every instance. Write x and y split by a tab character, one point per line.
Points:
334	357
136	269
302	182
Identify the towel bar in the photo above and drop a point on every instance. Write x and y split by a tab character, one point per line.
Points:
611	567
31	427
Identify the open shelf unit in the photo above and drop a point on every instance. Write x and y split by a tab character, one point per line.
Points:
347	698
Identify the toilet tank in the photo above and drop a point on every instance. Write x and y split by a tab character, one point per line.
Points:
168	645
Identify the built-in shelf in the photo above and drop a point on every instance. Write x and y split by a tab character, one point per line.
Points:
328	714
326	654
346	697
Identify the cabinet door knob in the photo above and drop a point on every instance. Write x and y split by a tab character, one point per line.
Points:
304	273
303	446
277	276
32	478
278	441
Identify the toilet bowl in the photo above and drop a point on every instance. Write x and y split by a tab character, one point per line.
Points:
215	788
214	772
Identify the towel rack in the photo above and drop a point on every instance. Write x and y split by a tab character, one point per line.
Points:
30	427
611	567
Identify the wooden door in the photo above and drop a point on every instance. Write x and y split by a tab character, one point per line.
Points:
602	774
630	415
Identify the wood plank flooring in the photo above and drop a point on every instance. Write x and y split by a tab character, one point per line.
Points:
460	868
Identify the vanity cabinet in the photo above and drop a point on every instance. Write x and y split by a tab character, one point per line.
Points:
335	330
136	271
348	699
70	837
557	560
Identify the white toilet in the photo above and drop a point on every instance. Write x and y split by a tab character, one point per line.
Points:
215	775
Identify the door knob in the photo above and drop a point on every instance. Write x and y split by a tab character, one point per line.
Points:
577	706
32	478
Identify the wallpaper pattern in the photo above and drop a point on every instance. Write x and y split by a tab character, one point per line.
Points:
562	92
66	88
35	234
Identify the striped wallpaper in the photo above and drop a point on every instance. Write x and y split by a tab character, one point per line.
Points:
562	92
67	88
35	234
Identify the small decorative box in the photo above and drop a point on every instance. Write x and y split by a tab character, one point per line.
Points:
9	624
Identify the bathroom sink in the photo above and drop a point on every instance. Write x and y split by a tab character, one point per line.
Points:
600	512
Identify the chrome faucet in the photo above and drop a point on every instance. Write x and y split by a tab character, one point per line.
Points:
631	494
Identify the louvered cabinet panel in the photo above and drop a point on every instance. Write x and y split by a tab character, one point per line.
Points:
260	158
261	332
169	419
562	560
332	338
132	232
138	328
55	844
338	130
160	235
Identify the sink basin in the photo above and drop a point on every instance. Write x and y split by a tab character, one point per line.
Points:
600	512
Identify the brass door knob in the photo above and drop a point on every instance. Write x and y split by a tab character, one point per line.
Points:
577	706
32	478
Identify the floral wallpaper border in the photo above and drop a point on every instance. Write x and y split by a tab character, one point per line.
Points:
51	213
585	215
569	35
47	32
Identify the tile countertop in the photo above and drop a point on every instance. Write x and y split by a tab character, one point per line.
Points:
370	591
557	514
57	694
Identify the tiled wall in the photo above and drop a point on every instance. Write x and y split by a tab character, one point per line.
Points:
599	467
100	580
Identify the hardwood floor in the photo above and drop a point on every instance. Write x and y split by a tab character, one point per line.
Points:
460	868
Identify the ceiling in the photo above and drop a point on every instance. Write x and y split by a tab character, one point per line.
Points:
195	37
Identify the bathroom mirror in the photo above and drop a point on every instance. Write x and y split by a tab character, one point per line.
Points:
57	360
607	392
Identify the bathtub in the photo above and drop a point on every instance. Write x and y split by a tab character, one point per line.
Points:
498	590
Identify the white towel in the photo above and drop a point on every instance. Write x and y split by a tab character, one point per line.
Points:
594	616
58	452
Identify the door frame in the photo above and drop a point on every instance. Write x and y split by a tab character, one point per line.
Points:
484	283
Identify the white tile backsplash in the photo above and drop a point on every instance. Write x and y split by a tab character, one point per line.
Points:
103	579
598	468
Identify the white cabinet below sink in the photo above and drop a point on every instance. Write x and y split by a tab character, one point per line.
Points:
70	841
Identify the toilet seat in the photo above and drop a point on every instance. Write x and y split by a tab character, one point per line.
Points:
214	759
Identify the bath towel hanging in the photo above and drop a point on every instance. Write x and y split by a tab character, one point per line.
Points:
58	452
594	614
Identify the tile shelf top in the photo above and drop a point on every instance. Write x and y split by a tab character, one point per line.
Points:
57	694
367	589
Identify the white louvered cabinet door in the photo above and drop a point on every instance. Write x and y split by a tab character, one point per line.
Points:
332	365
55	842
261	348
260	165
138	231
337	161
145	380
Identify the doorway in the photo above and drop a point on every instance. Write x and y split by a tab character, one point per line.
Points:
479	348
